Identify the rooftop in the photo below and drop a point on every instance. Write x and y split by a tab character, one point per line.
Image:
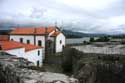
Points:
56	33
4	37
33	30
8	45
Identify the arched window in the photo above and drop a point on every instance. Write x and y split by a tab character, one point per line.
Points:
38	63
60	41
11	39
21	40
39	43
28	41
63	47
38	52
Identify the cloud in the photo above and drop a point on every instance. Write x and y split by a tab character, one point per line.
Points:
102	16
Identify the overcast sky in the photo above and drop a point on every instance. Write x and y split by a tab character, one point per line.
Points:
103	16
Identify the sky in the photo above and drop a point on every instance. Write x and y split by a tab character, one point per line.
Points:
90	16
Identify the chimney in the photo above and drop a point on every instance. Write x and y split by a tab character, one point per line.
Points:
34	36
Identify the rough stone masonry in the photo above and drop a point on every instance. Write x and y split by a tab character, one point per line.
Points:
11	72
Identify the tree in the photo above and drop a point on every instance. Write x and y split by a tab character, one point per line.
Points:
92	39
103	39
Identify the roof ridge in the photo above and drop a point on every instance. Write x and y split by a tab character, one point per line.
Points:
33	30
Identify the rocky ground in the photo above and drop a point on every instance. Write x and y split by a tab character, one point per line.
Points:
91	66
14	70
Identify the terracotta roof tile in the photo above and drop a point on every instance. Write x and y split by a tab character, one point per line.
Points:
8	45
29	47
56	33
40	31
33	30
4	37
51	28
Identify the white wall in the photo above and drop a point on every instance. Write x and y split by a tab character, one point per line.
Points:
59	47
25	38
42	38
29	55
34	57
19	52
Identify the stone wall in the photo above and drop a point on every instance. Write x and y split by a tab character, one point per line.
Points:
94	67
13	71
102	49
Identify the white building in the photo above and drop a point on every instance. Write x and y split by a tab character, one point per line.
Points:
51	38
30	52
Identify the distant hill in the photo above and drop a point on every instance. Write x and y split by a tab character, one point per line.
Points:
4	32
73	34
118	36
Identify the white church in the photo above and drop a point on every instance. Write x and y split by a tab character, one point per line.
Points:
34	43
51	38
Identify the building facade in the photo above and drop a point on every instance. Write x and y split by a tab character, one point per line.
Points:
51	38
30	52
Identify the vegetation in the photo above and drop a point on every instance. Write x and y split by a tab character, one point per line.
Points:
100	39
4	32
72	36
103	39
118	36
92	39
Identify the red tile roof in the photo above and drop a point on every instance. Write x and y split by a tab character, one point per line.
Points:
56	33
33	30
4	37
8	45
51	28
29	47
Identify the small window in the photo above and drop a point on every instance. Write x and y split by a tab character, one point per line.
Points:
60	41
28	41
63	47
38	52
11	39
0	47
21	40
38	63
39	43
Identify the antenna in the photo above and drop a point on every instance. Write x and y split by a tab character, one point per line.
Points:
61	25
56	23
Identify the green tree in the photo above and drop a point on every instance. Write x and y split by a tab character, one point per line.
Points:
103	39
92	39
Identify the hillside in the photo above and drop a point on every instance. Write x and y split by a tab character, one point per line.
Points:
73	34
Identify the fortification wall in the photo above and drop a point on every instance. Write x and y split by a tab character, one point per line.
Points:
12	72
